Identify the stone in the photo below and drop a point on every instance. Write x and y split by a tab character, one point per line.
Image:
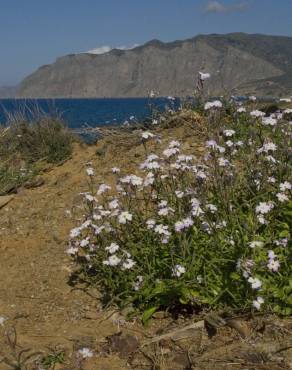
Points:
4	200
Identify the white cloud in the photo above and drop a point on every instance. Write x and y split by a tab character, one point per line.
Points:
105	49
219	7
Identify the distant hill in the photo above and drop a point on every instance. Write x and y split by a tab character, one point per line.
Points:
239	64
7	92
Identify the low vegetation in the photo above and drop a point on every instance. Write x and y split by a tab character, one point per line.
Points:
27	143
211	231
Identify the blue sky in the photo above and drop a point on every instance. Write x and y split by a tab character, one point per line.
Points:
36	32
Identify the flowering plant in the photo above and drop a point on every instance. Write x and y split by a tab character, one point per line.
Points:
209	231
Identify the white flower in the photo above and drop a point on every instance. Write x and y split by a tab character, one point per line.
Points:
128	264
213	104
124	217
269	121
264	207
103	188
211	144
165	211
258	302
252	98
282	197
138	283
112	261
90	171
255	282
85	353
184	224
222	162
256	243
72	251
116	170
178	270
155	122
2	320
204	76
149	179
273	265
241	110
147	135
261	220
174	144
288	111
285	186
170	152
150	224
228	133
271	180
212	208
229	143
114	204
282	242
179	194
132	179
75	232
162	230
112	248
84	243
267	147
257	113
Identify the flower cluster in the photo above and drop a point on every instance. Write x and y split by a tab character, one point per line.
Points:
198	229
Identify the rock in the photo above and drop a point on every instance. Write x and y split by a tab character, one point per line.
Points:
124	345
35	183
4	200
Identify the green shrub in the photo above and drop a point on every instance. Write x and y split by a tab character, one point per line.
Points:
212	231
25	142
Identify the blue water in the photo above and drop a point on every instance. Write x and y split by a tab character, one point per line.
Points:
93	112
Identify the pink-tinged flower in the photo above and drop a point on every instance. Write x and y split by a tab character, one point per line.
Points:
273	265
170	152
116	170
103	188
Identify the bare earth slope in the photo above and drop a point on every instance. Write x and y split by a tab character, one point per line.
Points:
47	312
239	63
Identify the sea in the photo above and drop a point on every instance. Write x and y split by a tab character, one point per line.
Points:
84	113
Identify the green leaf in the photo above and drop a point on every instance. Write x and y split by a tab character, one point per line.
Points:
148	314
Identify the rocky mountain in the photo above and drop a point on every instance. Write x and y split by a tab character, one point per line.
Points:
7	92
239	64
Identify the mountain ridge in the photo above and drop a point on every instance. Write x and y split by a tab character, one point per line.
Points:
248	63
